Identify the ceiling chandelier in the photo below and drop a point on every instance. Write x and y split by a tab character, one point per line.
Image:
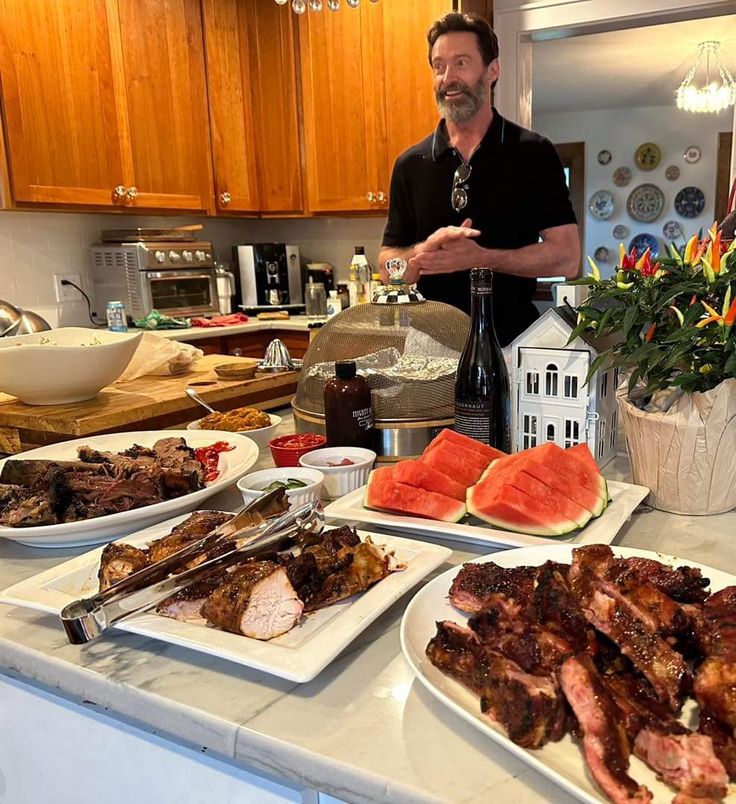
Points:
300	6
714	95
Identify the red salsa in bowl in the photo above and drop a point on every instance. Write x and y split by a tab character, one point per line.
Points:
287	449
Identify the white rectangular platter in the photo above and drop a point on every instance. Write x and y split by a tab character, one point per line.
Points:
298	655
562	762
624	499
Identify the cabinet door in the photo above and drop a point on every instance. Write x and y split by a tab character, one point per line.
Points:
63	131
229	83
342	94
411	111
275	106
161	74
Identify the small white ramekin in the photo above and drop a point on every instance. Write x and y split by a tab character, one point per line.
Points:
340	480
252	485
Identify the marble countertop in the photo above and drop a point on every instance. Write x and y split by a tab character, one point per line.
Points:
363	730
298	323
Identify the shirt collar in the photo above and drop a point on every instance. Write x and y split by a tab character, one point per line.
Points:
441	139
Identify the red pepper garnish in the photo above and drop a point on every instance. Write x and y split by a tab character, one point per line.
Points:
650	333
209	457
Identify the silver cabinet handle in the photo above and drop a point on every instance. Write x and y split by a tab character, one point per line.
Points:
371	197
225	199
132	193
119	192
382	197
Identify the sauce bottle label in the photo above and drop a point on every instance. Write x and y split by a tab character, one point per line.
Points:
364	418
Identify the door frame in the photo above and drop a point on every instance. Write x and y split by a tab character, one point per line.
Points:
723	173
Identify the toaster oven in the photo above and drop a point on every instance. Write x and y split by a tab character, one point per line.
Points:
175	278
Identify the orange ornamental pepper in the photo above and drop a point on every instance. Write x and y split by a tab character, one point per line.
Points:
650	333
643	260
730	316
705	321
715	253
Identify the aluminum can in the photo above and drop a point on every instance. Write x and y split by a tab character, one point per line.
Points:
117	319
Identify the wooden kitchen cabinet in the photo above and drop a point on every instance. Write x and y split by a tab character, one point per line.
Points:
251	78
104	103
64	131
160	74
367	96
253	344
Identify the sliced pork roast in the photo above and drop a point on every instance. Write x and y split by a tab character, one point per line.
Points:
257	600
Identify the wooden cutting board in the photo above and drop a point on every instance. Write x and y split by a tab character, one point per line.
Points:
148	403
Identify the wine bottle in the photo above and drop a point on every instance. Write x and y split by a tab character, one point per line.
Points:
482	399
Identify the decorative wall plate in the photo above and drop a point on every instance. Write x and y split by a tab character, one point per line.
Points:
601	254
620	231
672	230
691	154
621	176
645	203
601	205
689	202
644	241
647	155
672	173
604	157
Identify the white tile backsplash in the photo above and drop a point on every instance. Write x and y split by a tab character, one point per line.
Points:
36	245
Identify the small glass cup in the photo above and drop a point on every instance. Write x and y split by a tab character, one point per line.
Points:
315	299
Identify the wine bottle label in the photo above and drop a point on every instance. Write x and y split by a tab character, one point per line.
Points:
473	419
364	418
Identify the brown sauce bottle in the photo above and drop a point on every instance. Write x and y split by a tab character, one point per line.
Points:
348	408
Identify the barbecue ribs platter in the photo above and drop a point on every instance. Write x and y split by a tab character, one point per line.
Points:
603	652
91	490
262	598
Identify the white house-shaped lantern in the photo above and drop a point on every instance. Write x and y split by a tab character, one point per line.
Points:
550	399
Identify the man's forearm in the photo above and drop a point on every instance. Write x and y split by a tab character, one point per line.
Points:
410	276
537	260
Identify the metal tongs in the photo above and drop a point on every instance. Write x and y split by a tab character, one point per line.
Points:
248	533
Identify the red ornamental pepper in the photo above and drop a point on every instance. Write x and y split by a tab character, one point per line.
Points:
650	333
628	263
693	300
209	457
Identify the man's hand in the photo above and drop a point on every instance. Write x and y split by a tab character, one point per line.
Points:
446	235
456	255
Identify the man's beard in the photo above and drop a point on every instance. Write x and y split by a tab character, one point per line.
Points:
462	110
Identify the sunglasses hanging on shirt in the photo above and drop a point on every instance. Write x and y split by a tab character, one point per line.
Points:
459	195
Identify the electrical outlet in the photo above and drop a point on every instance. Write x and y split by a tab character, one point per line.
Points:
66	293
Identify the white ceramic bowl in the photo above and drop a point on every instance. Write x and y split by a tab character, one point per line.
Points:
252	485
261	436
63	365
340	480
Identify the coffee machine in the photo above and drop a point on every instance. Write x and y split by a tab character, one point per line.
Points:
268	276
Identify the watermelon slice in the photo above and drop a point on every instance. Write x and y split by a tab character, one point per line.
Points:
423	476
582	452
566	474
510	508
385	493
462	464
497	478
451	437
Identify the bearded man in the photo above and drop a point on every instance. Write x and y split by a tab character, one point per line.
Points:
480	190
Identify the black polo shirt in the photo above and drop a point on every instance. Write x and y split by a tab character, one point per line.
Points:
516	190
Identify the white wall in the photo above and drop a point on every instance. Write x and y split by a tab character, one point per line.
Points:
621	131
36	245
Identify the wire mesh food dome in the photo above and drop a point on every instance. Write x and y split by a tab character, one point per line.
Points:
407	352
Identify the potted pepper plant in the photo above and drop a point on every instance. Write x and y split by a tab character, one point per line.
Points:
673	319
